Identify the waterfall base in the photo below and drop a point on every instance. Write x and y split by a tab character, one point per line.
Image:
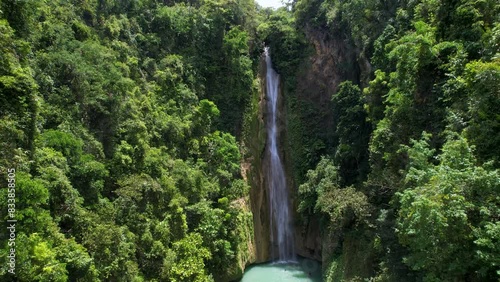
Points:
303	270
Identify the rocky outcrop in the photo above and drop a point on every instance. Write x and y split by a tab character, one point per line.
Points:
245	250
308	240
333	61
259	201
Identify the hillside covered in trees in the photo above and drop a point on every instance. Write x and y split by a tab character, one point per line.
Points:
120	118
394	130
127	128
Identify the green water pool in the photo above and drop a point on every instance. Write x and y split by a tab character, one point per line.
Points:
302	271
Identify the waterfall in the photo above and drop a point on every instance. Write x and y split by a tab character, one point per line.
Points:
280	217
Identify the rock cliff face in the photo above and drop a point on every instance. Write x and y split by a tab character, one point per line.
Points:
333	61
245	252
258	192
258	171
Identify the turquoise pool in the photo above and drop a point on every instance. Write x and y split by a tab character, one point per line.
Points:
302	271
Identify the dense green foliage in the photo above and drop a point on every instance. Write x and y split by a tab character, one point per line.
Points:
448	215
126	122
120	119
422	70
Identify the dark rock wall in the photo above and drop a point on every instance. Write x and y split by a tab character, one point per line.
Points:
333	61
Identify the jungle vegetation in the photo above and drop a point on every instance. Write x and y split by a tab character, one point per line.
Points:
127	121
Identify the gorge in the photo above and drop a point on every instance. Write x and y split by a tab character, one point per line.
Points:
157	140
285	265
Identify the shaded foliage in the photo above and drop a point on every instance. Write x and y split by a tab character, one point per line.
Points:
120	119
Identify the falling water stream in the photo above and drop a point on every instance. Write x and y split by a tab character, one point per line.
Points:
286	267
279	204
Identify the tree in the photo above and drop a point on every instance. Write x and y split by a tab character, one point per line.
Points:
352	133
322	195
447	214
190	265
